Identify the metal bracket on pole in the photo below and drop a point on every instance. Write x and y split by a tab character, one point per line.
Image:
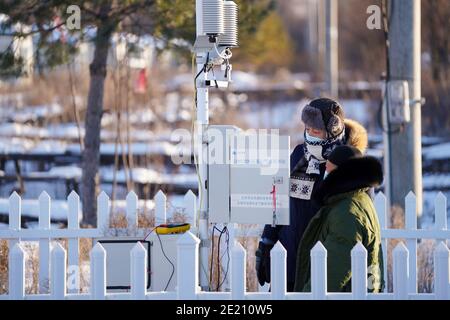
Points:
422	101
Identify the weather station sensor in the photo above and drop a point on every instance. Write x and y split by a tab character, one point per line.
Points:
218	34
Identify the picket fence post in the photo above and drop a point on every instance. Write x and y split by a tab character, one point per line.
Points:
17	273
238	272
187	266
400	272
138	271
319	271
359	272
58	273
98	272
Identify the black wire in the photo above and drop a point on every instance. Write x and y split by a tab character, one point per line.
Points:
149	233
218	253
173	267
212	253
218	259
195	80
212	256
215	80
203	69
228	259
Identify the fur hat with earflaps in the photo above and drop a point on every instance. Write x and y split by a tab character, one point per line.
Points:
324	114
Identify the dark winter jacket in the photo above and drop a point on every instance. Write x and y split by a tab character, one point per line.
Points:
302	211
347	216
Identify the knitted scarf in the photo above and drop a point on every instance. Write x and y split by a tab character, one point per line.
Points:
318	152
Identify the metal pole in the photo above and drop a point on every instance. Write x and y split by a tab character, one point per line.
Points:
404	55
201	124
331	47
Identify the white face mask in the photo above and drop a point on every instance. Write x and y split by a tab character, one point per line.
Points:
325	175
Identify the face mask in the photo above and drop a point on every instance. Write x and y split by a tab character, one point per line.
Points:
310	138
325	175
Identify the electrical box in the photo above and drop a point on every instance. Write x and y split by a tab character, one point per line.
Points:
398	97
248	176
161	273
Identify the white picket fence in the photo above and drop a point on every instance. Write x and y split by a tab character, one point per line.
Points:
53	263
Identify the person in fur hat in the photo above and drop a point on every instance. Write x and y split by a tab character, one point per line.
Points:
347	216
325	129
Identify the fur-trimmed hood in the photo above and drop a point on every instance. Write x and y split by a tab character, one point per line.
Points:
356	135
354	174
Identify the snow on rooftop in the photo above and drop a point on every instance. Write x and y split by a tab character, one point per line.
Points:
437	152
68	172
48	147
14	145
17	129
436	181
33	113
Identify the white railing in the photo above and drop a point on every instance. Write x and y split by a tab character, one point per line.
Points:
53	262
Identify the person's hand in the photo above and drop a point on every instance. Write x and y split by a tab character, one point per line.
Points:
263	262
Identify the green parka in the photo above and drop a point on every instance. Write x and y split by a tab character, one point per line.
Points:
347	216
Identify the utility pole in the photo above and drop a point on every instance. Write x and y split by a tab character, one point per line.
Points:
312	27
405	154
331	47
